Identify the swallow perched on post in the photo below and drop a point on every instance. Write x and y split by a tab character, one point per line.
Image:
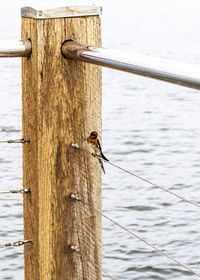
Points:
93	139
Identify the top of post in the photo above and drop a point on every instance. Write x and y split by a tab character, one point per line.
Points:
62	12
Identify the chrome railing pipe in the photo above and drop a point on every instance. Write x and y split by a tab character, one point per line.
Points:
14	48
184	74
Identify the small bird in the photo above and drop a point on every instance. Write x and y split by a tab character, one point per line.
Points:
93	139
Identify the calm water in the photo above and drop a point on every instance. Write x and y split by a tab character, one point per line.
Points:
149	127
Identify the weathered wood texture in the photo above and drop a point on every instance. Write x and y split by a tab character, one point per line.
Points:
61	103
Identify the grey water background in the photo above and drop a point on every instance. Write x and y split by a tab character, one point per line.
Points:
149	127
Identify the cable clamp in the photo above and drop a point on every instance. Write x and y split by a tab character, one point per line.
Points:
20	242
24	141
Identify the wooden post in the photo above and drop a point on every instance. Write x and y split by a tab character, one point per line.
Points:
61	104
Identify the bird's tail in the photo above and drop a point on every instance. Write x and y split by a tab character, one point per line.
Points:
102	155
101	163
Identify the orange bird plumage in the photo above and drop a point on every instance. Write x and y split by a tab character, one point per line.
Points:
93	139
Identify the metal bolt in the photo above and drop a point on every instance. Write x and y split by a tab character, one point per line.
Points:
75	248
75	197
26	191
75	145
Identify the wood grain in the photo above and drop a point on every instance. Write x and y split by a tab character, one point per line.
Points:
61	103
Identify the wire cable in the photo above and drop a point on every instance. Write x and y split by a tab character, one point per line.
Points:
22	141
15	244
16	191
75	197
106	273
75	145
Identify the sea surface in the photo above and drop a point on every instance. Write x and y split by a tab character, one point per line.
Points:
149	127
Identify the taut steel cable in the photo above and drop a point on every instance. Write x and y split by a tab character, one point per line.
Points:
75	197
75	145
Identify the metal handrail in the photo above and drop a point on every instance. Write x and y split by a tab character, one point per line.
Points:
184	74
14	48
